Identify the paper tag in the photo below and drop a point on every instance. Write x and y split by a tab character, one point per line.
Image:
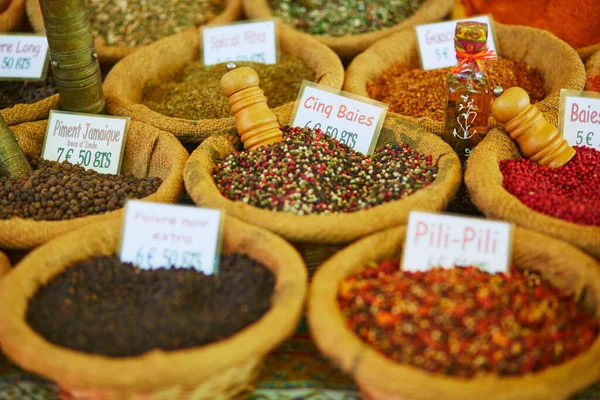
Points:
436	42
353	120
163	235
579	117
92	141
23	57
444	240
246	41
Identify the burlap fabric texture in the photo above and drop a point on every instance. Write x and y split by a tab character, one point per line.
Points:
108	54
379	378
148	152
592	68
21	113
560	65
12	16
315	234
483	179
221	370
586	52
348	46
125	83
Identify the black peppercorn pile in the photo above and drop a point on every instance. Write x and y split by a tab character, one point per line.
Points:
103	306
310	172
59	191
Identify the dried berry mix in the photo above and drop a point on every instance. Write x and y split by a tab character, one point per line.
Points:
310	172
422	93
59	191
26	92
195	93
570	192
104	306
593	83
344	17
464	321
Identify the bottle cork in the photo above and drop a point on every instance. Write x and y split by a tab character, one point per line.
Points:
256	123
539	140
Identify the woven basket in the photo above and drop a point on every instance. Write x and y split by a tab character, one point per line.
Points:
111	54
148	152
592	68
484	182
348	46
315	234
12	17
380	378
125	83
221	370
5	266
562	70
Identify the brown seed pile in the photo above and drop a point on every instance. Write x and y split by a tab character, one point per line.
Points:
61	191
103	306
422	93
195	93
26	92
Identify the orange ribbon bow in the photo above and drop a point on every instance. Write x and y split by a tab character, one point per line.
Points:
466	58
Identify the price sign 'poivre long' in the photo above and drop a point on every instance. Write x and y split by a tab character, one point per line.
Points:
23	57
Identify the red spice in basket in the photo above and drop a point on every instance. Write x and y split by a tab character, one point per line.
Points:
571	192
464	321
593	83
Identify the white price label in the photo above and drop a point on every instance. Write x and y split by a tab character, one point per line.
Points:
441	240
580	118
23	56
92	141
353	120
436	42
248	41
163	235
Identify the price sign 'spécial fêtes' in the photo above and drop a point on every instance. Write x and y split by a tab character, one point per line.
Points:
444	240
164	235
23	56
92	141
351	119
579	118
254	41
436	42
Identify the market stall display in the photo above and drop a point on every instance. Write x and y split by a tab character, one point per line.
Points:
12	13
550	267
222	369
149	152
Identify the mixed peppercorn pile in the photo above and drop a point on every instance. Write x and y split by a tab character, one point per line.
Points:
310	172
464	321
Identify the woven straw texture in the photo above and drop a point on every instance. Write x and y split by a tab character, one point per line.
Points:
5	266
558	262
11	18
111	54
222	370
560	65
148	152
39	110
484	182
592	68
329	229
348	46
124	84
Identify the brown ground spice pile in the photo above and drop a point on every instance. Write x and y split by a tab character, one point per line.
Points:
419	93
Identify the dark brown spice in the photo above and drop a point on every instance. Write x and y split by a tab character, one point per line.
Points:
103	306
26	92
60	191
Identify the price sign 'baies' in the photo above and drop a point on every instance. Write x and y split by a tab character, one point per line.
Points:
580	117
23	57
92	141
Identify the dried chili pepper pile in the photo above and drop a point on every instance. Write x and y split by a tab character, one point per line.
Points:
571	192
464	321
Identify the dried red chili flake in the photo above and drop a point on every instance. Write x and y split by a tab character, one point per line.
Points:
593	83
464	321
571	192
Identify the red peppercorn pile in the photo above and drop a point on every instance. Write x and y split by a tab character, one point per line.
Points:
464	321
571	192
310	172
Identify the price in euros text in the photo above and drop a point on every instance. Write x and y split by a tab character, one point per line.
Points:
345	137
586	139
151	257
98	159
17	63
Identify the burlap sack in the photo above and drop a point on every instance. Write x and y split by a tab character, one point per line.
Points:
484	182
586	52
221	370
559	63
379	378
348	46
111	54
12	16
312	232
4	266
592	68
124	84
148	152
21	113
